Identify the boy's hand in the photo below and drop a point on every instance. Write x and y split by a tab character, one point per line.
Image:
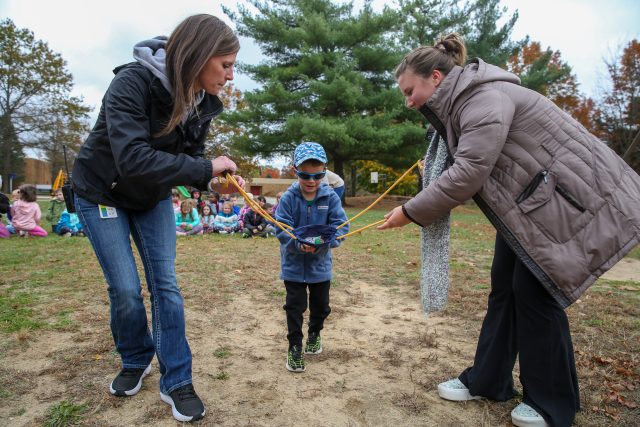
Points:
307	248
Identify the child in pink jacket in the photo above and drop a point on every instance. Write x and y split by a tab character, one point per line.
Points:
25	213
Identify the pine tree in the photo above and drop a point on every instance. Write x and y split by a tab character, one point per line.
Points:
328	78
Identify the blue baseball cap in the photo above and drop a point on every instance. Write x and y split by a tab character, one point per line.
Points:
307	151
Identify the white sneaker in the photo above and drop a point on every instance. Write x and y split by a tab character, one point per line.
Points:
524	415
455	390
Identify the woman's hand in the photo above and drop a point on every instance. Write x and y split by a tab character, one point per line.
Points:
395	218
221	185
223	165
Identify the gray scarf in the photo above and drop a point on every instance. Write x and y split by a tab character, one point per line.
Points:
434	276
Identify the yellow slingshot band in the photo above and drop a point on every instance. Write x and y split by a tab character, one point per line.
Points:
286	227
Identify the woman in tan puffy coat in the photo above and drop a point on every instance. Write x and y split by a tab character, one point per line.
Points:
566	208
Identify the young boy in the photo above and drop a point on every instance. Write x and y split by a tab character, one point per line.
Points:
56	207
306	202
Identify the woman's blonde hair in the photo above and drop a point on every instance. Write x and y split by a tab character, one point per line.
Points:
447	52
194	41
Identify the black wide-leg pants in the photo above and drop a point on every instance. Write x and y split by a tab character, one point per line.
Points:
524	320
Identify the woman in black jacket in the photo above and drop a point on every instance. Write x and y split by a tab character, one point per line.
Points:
149	137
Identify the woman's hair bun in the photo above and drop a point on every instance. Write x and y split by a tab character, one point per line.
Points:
453	45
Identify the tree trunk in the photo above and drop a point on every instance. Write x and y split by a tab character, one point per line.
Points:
627	154
353	179
338	168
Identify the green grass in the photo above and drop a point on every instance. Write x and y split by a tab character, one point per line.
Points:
54	285
222	353
64	413
17	313
221	376
635	253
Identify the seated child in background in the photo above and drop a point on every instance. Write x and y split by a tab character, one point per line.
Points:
307	202
197	197
212	201
255	224
270	228
15	196
275	205
175	200
234	206
56	207
188	220
224	198
226	221
69	225
243	210
5	206
207	220
26	214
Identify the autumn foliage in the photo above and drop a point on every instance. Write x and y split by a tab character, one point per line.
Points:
546	73
618	119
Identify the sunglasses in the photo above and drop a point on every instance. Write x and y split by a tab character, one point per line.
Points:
307	176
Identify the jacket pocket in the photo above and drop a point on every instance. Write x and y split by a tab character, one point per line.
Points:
552	208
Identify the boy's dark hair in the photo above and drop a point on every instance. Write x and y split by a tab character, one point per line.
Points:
261	199
28	192
312	162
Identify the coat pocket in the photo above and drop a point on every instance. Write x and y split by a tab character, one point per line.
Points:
552	208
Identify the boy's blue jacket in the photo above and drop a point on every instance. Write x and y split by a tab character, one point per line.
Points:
298	266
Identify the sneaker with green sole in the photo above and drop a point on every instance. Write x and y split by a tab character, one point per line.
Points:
314	343
295	359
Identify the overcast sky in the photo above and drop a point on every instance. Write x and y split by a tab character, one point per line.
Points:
95	36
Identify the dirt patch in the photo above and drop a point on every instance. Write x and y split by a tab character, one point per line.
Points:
382	357
627	269
381	363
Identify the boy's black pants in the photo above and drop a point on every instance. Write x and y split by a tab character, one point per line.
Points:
296	304
524	320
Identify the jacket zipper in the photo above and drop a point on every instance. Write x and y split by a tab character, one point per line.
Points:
305	255
535	182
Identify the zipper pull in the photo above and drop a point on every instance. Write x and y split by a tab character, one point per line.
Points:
544	176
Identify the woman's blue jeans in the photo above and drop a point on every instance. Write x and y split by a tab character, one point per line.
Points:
153	232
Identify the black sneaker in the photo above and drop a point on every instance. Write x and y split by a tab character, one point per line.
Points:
128	381
185	403
314	343
295	359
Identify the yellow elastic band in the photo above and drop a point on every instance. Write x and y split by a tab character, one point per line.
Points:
383	194
257	207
